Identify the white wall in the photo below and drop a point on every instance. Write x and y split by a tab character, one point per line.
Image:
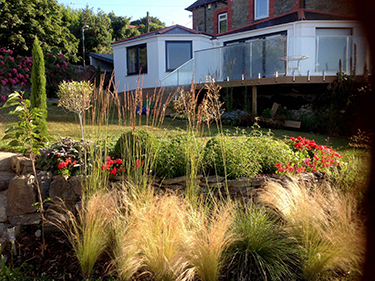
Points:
156	58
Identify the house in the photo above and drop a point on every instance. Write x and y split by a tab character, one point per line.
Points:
105	60
247	41
154	55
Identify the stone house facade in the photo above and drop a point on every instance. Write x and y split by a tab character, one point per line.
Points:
218	16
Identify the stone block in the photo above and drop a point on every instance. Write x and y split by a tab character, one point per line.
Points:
5	178
62	189
5	159
21	195
45	179
21	165
3	207
25	219
241	182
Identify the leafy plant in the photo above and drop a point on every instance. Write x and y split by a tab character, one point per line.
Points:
27	132
60	152
75	97
232	157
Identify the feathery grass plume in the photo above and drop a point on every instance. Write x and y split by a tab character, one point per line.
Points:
127	255
159	227
263	250
89	232
324	222
210	236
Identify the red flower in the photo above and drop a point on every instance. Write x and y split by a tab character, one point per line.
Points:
62	165
74	162
281	170
278	165
118	161
68	161
138	163
114	171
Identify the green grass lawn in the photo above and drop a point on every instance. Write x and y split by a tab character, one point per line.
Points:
62	123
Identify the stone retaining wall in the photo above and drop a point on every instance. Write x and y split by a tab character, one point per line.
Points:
18	191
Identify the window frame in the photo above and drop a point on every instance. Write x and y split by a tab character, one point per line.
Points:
166	52
138	59
220	20
256	17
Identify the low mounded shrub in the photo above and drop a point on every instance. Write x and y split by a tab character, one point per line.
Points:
173	155
133	145
270	151
233	157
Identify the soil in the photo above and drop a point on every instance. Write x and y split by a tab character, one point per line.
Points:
58	262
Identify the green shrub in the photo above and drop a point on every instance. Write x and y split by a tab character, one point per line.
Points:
133	145
262	249
172	156
38	97
62	150
270	151
233	157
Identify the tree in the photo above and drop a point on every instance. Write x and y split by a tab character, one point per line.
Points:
38	97
98	37
155	24
22	21
120	27
76	97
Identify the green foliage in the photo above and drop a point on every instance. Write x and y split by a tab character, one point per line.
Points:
267	113
22	21
173	157
271	151
38	97
263	249
75	96
133	145
26	132
233	157
120	26
62	150
155	24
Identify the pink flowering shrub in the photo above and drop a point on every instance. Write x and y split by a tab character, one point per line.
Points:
16	70
310	157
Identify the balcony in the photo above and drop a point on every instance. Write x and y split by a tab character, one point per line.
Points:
293	56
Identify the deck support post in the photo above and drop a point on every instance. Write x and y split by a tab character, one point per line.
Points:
255	93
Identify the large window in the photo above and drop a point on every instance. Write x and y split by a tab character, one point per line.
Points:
222	22
333	46
261	9
137	59
177	53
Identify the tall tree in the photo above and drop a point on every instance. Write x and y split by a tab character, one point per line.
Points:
120	27
38	97
21	21
155	24
98	37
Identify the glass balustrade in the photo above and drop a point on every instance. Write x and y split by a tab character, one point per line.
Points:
280	55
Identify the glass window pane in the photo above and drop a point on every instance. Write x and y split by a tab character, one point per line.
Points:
143	59
177	54
132	60
261	8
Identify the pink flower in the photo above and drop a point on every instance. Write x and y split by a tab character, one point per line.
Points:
11	59
57	65
3	97
3	82
14	70
1	62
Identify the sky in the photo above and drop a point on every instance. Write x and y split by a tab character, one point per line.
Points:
168	11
